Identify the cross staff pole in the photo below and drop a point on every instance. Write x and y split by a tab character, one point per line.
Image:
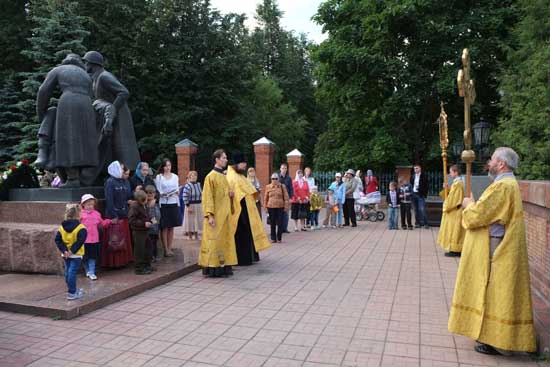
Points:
466	89
444	143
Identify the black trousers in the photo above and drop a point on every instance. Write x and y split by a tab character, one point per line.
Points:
246	253
406	214
349	212
276	218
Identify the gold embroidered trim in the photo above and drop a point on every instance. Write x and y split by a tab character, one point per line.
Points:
492	318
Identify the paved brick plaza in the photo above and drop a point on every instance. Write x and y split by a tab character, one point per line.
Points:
355	297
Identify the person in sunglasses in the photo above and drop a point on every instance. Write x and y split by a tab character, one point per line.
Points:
276	203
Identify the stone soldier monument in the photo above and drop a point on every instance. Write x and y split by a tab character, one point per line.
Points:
67	138
117	139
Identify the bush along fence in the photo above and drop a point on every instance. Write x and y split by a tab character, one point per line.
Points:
324	179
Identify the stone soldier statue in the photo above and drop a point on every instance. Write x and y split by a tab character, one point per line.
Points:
67	138
117	139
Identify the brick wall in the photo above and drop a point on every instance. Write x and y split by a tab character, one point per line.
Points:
536	205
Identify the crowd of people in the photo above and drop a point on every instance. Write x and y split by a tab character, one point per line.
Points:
491	301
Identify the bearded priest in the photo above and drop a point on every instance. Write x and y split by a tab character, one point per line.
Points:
492	297
245	222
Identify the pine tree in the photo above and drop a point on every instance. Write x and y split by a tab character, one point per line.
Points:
58	30
10	135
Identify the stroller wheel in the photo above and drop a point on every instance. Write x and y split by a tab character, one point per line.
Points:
372	217
380	216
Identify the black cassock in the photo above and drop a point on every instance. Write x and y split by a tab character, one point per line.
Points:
246	253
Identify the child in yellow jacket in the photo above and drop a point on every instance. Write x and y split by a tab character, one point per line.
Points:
315	205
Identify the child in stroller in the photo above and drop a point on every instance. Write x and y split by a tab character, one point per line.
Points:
366	208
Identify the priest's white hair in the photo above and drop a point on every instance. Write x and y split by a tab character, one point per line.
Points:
508	156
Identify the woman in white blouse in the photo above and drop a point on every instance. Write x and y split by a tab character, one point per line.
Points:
168	187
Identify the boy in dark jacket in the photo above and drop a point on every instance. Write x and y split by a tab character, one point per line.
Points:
70	239
405	194
140	224
393	201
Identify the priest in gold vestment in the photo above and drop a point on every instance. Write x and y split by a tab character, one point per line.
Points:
245	222
451	233
492	296
217	252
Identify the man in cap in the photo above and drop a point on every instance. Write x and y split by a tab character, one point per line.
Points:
118	140
492	296
245	221
349	204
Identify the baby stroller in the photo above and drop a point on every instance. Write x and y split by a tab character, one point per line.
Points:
366	207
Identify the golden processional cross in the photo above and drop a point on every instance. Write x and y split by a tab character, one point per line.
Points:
466	89
444	143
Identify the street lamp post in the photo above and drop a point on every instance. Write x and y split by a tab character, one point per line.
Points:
481	136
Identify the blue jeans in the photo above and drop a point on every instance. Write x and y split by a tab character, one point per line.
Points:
285	221
339	217
419	204
392	217
89	266
71	271
314	218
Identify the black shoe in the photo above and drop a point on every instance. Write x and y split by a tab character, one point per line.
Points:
345	225
143	272
285	231
452	254
411	228
486	349
354	225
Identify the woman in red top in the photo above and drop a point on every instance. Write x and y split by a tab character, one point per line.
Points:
299	201
371	182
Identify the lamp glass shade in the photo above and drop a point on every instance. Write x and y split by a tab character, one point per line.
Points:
481	133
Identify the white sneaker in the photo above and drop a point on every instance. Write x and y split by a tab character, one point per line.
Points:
92	277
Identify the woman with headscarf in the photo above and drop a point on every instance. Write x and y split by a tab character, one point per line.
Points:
141	179
251	176
116	250
299	200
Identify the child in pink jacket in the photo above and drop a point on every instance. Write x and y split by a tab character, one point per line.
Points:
91	218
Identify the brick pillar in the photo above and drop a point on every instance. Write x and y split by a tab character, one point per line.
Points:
403	172
536	206
295	161
264	150
186	151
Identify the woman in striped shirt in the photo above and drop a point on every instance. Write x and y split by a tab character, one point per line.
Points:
192	219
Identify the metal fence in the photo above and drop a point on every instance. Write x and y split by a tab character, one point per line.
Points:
435	179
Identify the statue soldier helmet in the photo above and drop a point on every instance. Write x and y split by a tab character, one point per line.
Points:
94	57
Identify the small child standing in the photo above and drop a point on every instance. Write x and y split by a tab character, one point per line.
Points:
69	239
393	201
91	218
140	224
330	204
405	192
315	206
153	212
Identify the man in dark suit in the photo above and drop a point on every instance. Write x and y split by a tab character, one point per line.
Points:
420	185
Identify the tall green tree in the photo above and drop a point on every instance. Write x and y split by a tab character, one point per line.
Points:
285	58
15	28
386	66
524	123
58	30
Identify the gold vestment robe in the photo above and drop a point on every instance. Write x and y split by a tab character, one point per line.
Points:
242	188
451	232
218	242
492	297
